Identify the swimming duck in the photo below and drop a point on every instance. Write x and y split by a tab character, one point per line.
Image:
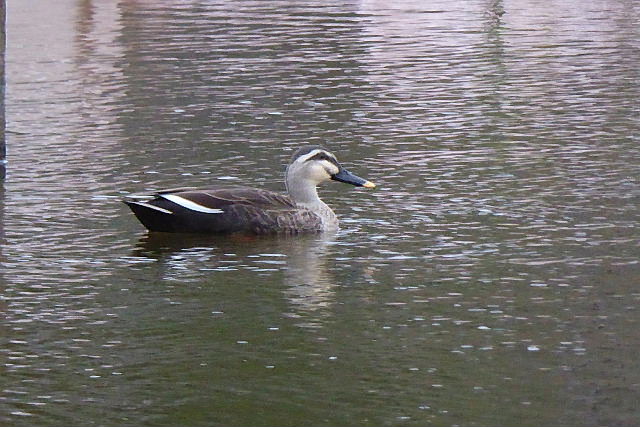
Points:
223	210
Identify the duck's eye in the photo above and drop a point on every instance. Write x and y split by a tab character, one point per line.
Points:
320	156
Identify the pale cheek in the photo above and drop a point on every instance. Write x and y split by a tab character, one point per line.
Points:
320	174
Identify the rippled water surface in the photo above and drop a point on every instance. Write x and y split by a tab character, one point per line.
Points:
490	279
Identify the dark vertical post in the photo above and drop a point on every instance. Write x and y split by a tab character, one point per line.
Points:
3	147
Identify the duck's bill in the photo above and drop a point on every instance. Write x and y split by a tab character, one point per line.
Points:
349	178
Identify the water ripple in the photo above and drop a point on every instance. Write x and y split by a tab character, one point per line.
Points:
499	249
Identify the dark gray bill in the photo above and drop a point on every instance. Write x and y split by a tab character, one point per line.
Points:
349	178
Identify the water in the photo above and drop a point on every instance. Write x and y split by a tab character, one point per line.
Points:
491	279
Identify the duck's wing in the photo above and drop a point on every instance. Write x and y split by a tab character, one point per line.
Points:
224	210
225	196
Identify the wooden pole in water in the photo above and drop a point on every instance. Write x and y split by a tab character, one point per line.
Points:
3	147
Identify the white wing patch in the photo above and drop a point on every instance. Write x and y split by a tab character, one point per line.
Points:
155	208
188	204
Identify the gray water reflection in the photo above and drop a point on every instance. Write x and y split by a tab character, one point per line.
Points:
489	280
308	285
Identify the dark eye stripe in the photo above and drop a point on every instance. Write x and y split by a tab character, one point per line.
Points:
324	156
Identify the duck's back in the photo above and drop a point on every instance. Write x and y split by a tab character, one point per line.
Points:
224	210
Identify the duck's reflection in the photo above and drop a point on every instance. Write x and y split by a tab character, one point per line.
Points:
309	285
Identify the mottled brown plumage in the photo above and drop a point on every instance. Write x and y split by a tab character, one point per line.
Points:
242	209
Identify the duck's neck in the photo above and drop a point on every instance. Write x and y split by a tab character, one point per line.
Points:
303	192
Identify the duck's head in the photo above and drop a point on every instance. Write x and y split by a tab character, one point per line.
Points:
315	164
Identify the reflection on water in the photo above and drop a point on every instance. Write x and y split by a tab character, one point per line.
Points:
308	283
490	279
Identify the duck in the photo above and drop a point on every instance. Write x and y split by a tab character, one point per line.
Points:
239	209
